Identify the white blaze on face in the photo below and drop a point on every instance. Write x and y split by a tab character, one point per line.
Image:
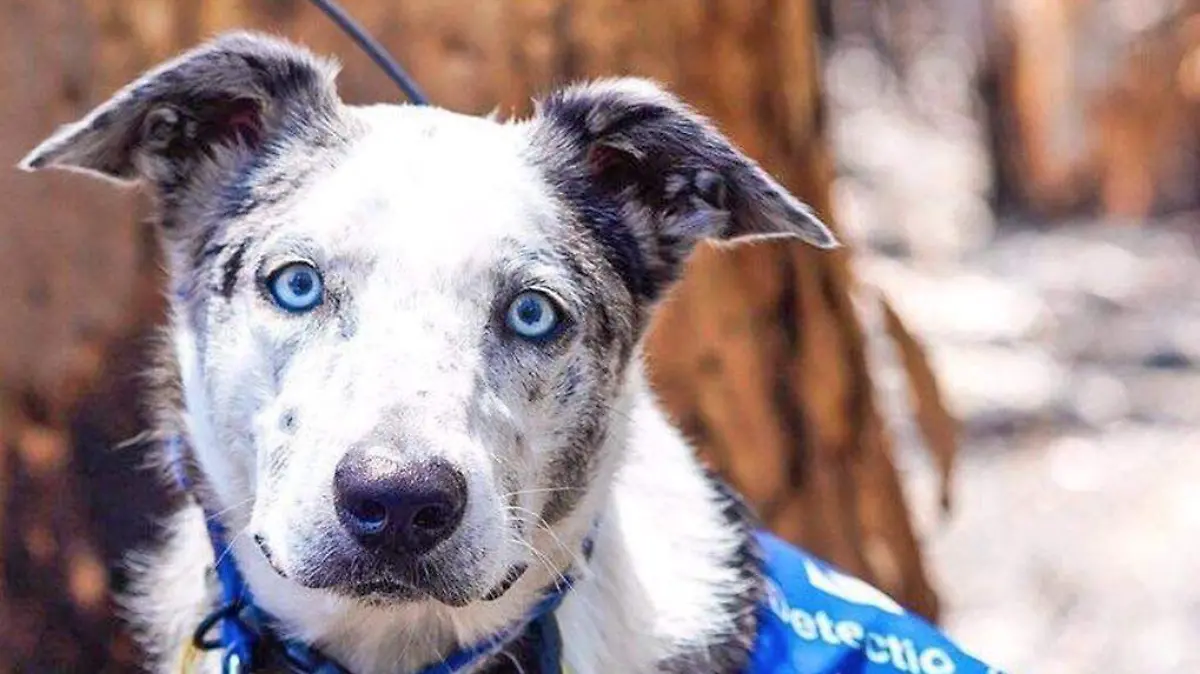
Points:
415	230
429	189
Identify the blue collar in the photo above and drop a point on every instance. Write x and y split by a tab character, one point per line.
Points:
248	640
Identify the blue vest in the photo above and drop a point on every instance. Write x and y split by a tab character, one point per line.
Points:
816	620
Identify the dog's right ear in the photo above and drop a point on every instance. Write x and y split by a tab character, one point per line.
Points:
209	106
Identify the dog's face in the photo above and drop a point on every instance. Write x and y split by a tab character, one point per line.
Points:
405	334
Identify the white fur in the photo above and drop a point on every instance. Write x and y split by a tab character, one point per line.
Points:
660	572
653	587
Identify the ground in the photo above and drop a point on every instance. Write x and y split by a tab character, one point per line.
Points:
1071	355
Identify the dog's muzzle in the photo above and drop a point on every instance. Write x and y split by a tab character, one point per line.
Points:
395	514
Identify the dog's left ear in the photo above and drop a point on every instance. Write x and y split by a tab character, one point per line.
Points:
675	177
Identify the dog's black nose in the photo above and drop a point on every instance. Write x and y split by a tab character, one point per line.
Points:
407	507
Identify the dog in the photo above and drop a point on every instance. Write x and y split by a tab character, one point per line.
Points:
404	371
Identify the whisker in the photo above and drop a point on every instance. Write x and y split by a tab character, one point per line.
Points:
235	506
558	576
540	522
539	490
229	545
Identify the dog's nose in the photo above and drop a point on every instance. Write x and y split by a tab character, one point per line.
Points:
407	507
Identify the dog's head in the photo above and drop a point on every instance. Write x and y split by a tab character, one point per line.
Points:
406	336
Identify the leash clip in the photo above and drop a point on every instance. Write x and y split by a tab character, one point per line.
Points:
238	640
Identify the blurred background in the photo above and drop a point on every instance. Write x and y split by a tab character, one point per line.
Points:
988	405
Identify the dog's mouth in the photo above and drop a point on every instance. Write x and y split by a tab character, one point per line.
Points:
396	591
514	574
268	555
386	590
389	590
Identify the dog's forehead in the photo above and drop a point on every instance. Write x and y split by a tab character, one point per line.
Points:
432	182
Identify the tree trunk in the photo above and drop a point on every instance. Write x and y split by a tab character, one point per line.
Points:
759	356
1096	109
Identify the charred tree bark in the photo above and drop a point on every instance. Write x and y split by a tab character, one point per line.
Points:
760	356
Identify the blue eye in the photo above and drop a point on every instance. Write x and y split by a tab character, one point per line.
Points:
296	287
532	315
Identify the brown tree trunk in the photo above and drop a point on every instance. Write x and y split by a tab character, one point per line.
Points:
760	356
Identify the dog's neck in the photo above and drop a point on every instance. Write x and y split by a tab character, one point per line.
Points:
666	578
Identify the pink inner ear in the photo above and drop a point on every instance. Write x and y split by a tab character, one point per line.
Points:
243	122
615	166
602	157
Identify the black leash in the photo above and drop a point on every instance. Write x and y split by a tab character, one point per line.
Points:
376	51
